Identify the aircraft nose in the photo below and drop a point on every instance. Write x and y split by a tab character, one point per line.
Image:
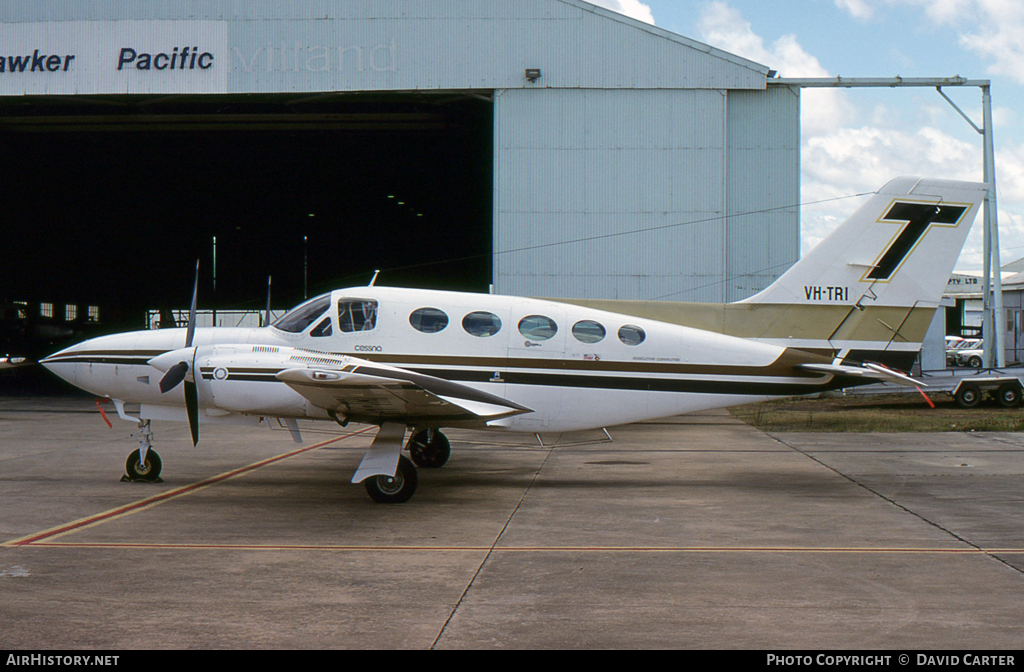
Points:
63	363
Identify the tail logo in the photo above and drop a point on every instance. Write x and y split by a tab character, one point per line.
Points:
917	218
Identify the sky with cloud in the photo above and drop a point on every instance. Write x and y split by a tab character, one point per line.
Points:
855	140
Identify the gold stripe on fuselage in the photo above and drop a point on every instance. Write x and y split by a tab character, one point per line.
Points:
780	321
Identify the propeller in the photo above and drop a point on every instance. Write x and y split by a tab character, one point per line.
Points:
265	322
179	373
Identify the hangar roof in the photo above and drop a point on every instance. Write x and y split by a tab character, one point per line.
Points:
349	45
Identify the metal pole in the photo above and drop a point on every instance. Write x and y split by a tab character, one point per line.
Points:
994	327
992	226
214	281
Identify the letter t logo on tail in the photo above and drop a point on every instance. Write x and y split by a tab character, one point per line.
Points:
919	217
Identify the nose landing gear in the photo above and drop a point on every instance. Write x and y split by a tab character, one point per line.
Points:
144	464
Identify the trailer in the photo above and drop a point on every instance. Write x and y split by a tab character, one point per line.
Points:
1006	390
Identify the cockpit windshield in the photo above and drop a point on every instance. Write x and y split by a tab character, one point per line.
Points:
303	315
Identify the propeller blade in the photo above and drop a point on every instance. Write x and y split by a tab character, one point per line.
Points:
266	322
192	408
174	375
192	311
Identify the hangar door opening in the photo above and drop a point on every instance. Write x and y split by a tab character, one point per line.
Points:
108	201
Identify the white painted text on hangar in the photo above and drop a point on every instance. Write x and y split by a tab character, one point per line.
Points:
628	162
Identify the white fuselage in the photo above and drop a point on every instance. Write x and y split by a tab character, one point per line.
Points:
544	355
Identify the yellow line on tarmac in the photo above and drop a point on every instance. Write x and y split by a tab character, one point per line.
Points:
38	538
535	549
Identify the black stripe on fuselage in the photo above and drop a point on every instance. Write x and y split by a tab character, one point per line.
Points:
581	375
604	382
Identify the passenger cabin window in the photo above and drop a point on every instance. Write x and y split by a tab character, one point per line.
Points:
357	314
428	320
322	329
631	334
481	324
297	319
537	327
588	331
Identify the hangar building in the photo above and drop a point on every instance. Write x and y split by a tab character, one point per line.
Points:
540	147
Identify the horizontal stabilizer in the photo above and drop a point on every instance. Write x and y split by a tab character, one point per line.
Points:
869	370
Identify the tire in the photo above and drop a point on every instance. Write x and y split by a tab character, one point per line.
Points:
393	490
429	455
149	472
1009	395
974	362
968	396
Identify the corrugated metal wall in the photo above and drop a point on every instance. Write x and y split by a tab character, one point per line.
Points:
622	194
629	169
364	45
763	228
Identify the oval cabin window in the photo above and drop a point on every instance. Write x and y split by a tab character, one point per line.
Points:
537	327
630	334
588	331
481	323
428	320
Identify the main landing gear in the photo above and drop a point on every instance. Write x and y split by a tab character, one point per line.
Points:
428	449
393	489
143	464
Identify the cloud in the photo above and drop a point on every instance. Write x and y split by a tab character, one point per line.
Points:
631	8
858	9
851	149
724	27
992	29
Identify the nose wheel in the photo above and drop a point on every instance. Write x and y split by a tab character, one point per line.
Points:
146	469
143	464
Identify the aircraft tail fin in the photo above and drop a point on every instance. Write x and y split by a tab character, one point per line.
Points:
898	249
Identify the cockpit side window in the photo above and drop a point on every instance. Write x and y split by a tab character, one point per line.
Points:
297	319
322	329
357	314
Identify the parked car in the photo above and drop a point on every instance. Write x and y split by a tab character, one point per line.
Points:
952	343
970	353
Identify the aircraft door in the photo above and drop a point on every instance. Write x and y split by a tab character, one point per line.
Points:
536	331
536	344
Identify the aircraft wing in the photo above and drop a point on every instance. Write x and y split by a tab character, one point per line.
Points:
373	394
869	370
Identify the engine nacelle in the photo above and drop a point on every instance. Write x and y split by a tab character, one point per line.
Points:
242	379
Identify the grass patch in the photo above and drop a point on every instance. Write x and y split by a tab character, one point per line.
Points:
879	413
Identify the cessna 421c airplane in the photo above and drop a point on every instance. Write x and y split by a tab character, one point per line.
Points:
417	361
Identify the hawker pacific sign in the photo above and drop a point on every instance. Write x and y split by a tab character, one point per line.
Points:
113	57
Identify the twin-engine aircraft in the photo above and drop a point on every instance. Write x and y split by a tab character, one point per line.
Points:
852	311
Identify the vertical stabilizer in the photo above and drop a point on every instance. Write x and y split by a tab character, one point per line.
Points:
898	249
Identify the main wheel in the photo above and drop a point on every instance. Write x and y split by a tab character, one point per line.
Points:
968	396
1009	395
432	453
145	471
393	489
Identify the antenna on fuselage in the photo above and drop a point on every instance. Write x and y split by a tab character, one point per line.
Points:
375	274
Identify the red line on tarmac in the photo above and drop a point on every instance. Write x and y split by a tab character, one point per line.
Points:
165	496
